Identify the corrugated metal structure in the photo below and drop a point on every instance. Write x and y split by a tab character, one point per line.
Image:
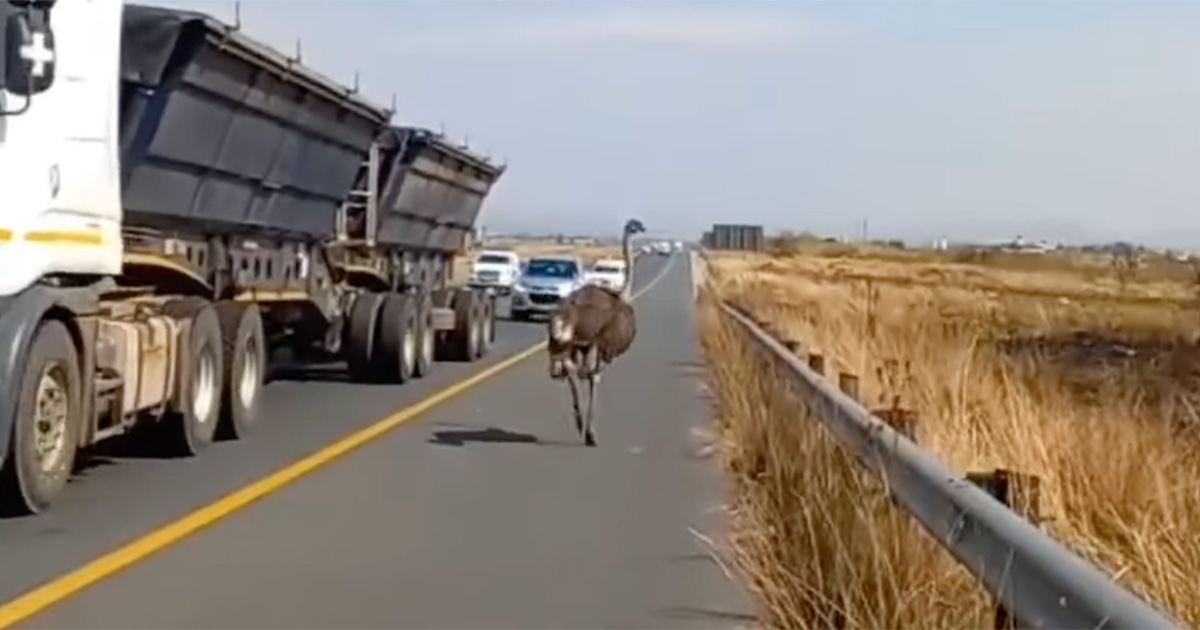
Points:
221	134
735	236
431	191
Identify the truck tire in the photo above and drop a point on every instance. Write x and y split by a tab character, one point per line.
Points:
426	336
490	323
483	321
397	347
360	344
244	345
464	339
201	374
51	385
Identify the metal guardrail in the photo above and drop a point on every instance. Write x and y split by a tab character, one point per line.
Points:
1038	581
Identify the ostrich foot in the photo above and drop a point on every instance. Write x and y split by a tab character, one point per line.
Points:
589	438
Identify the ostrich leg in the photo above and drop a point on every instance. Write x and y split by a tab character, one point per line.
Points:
589	434
570	376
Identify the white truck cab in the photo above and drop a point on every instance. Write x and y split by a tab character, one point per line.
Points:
495	269
58	157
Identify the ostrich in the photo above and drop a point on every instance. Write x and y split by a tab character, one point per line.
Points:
593	326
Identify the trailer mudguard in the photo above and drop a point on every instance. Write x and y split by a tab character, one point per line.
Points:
19	318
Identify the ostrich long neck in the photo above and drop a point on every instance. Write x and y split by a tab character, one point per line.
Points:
627	287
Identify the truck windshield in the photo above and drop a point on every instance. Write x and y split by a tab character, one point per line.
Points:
492	259
552	268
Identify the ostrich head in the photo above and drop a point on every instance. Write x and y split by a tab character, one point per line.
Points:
634	226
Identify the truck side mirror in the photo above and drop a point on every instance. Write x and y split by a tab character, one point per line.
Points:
29	52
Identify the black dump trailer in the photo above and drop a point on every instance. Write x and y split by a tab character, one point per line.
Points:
252	179
265	206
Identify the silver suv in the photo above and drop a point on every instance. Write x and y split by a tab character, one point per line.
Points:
545	282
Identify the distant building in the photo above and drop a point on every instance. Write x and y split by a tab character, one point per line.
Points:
735	236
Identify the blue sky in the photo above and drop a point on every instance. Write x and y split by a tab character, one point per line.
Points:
1064	120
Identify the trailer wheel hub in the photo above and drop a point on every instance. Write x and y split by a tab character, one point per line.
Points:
473	336
409	350
204	385
251	375
52	406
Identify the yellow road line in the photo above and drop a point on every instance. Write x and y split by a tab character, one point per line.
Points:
65	236
67	585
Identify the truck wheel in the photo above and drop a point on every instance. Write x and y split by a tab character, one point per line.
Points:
396	353
201	376
46	432
465	338
244	345
491	322
360	343
426	336
483	323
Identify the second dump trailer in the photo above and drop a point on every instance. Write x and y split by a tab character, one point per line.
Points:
182	199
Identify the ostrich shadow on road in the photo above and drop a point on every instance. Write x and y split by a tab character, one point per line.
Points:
461	435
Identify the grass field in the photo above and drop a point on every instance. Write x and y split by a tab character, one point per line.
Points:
1085	375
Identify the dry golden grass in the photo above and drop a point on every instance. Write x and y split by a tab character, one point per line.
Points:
1061	373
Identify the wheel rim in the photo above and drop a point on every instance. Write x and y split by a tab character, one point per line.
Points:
409	351
204	385
51	410
251	370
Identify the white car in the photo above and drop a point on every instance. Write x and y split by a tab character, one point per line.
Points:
608	273
495	269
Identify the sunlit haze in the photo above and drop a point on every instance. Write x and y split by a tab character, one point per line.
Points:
1067	120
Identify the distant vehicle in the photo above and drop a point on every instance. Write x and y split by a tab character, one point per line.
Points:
646	249
495	269
678	246
545	283
662	248
608	273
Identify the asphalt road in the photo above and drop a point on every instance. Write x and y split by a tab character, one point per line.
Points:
485	512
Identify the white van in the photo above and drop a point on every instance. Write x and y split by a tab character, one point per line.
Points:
495	269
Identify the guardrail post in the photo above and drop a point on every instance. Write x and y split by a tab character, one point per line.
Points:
903	421
816	362
1022	493
793	346
848	383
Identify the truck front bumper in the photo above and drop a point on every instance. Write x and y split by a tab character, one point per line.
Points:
496	286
